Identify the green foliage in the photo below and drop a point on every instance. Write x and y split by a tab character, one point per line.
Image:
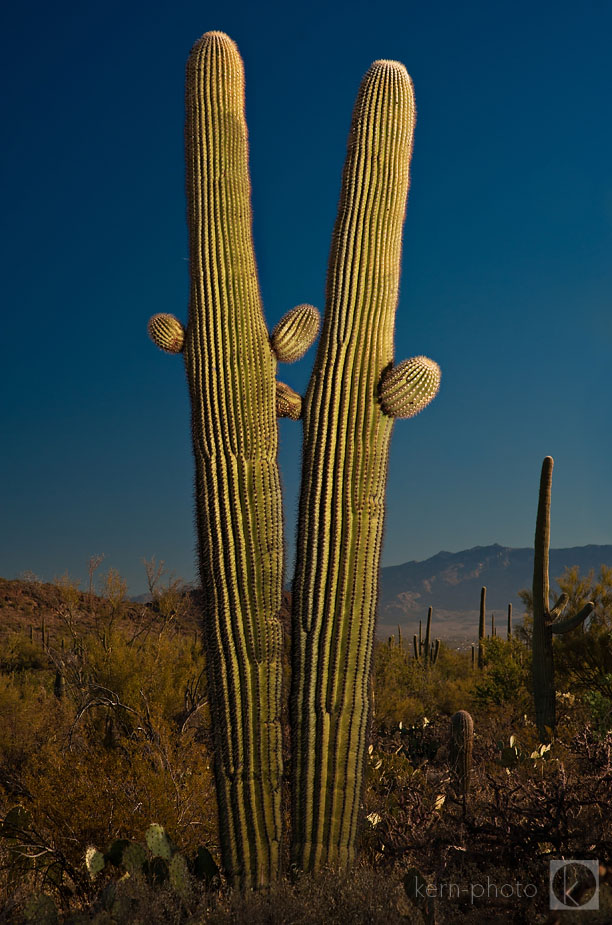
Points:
505	674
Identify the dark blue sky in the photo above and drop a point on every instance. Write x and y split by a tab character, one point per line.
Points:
506	277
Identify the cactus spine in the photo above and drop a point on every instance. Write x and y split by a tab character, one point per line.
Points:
348	411
461	746
482	627
546	621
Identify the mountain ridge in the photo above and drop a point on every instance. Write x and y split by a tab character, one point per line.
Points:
451	582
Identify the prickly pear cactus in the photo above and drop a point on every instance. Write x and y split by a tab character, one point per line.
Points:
158	842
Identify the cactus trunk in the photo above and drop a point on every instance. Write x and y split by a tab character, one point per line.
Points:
482	627
546	621
346	442
231	373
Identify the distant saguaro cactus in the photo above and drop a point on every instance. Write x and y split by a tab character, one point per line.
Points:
509	631
482	632
427	650
461	748
546	620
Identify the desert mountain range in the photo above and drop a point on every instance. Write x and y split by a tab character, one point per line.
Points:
450	582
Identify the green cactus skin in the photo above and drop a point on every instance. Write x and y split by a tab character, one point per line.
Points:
94	861
482	627
345	453
180	878
546	621
509	628
461	747
158	842
428	633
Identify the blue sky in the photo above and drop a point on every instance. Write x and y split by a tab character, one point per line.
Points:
506	276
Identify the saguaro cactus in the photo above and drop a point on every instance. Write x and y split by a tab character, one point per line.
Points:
546	621
354	394
231	364
482	627
461	747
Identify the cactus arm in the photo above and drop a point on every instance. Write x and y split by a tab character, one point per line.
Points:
559	607
345	452
231	374
570	623
167	333
288	402
295	333
409	387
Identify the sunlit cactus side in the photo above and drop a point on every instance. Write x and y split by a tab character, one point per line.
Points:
231	370
482	627
167	333
295	333
461	748
409	387
288	402
347	429
547	620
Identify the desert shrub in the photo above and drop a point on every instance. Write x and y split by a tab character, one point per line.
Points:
18	653
505	674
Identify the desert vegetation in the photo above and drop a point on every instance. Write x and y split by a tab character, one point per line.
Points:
105	738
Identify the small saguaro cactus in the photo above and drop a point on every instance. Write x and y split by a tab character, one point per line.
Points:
509	630
353	397
482	627
461	747
546	620
426	650
235	399
493	630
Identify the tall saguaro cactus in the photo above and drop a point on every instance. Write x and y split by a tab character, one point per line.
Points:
231	365
546	620
354	394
